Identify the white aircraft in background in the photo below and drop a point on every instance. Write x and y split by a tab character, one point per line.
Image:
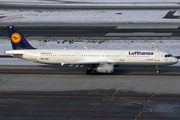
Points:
102	61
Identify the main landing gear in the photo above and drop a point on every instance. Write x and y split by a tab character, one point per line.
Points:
157	70
89	71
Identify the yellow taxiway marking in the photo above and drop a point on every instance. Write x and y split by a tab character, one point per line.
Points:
152	95
144	107
115	101
138	101
148	100
107	99
102	103
116	92
139	113
2	92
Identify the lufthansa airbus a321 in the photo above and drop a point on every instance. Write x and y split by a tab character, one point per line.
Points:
102	61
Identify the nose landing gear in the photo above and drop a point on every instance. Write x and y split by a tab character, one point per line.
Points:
157	70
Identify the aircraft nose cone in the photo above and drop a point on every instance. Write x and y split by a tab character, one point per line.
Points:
175	60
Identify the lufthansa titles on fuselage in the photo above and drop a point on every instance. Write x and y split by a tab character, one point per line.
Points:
140	53
45	53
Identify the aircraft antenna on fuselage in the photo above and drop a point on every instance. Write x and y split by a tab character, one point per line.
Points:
85	47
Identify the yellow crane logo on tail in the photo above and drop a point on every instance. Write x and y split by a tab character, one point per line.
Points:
16	37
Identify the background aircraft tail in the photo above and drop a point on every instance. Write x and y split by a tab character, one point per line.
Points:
17	40
170	15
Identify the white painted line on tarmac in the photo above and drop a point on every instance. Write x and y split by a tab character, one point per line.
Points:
140	34
147	27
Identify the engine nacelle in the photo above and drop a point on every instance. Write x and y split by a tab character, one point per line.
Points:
105	68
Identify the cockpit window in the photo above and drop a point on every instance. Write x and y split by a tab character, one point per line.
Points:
169	55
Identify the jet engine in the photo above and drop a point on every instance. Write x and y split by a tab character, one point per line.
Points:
105	68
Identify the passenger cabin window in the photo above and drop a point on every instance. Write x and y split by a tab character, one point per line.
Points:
169	55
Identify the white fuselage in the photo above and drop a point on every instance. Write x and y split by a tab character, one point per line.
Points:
114	57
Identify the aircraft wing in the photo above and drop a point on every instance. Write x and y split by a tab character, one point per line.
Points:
82	64
6	56
16	55
90	63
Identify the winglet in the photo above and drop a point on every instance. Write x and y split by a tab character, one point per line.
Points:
17	40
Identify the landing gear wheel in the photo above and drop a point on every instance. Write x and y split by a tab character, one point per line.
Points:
88	72
157	71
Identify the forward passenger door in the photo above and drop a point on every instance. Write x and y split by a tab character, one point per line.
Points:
122	57
157	56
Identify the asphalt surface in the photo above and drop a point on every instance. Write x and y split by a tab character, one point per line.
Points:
88	105
56	78
97	31
82	7
57	69
52	92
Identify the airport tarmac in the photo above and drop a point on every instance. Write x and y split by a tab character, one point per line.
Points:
85	7
136	31
43	92
88	105
56	78
97	31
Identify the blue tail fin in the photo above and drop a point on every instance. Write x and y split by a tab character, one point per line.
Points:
17	40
